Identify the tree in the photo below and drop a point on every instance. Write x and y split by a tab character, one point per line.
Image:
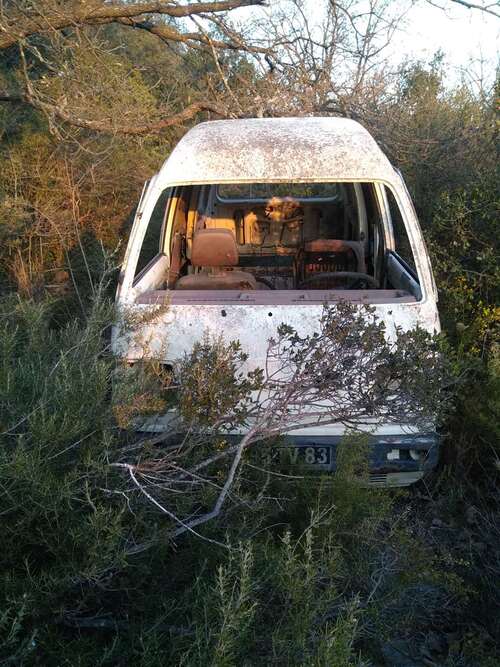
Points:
50	36
87	88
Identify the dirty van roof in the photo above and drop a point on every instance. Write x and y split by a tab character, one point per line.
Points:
276	149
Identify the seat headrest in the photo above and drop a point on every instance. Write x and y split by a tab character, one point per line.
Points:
214	247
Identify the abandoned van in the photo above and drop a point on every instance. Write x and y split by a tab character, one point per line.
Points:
251	223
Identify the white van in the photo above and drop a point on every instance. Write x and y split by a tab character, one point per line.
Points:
254	222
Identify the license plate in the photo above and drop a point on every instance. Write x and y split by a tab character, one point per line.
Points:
317	455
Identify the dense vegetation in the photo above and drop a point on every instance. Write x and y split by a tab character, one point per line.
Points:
316	571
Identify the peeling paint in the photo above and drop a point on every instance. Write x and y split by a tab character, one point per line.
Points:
268	150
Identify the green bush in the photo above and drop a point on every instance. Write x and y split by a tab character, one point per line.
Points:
463	241
59	530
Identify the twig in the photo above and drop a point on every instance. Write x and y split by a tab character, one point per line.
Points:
185	526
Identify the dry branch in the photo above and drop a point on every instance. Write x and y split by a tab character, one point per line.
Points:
114	126
489	9
350	373
59	24
16	26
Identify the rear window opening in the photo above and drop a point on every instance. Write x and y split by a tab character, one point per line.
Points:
278	242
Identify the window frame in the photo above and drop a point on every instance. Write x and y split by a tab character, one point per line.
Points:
390	241
264	200
126	289
162	237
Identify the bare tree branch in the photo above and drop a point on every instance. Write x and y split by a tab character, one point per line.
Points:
197	40
61	105
349	373
184	526
16	26
483	8
109	125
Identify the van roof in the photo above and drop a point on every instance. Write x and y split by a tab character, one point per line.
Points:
276	149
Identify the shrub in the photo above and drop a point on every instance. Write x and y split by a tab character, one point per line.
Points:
60	532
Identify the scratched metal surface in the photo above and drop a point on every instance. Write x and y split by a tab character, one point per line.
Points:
253	150
177	327
274	149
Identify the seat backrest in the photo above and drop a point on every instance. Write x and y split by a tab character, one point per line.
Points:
214	247
353	252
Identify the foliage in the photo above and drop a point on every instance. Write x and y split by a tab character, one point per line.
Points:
352	348
350	371
299	568
314	570
59	531
213	386
59	206
463	240
442	139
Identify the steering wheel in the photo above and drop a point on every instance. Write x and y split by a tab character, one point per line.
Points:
357	280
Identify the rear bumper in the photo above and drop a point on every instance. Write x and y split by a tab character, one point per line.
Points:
394	460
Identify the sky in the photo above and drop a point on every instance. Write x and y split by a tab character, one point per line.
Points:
463	35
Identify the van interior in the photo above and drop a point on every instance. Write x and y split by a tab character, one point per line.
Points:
268	237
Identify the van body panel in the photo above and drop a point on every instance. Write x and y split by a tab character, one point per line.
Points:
276	149
304	150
